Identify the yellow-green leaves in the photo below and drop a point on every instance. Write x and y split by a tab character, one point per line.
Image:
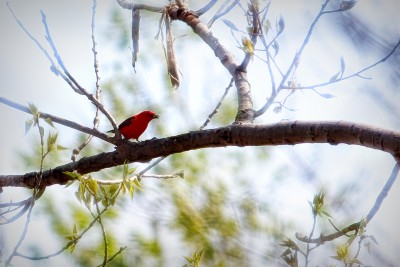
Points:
343	254
318	205
194	260
92	191
248	46
73	238
290	254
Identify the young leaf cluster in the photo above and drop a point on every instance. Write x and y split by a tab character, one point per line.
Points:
92	191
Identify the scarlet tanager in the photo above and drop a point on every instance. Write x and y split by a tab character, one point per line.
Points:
133	127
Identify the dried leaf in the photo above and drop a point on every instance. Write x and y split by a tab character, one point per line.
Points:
171	59
135	35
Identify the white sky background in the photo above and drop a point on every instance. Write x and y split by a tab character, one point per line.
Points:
25	76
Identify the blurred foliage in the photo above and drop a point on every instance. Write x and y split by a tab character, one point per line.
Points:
213	215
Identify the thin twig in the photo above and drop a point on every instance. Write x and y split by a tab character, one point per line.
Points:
96	119
155	163
356	74
93	99
217	107
141	176
221	13
121	249
25	207
384	192
68	244
54	68
35	195
61	121
325	238
207	7
294	60
131	6
307	254
254	12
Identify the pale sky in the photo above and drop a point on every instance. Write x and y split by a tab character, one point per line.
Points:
25	76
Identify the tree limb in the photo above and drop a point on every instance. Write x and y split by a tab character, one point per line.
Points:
283	133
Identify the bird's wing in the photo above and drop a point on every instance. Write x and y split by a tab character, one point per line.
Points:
126	122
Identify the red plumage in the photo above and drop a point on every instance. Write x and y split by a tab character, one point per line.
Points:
133	127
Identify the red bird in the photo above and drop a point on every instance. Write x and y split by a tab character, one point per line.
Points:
133	127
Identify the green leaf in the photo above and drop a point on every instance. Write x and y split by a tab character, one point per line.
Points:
135	182
33	109
51	142
131	170
41	131
49	121
351	239
248	45
92	185
342	65
125	170
60	147
374	239
181	174
290	244
28	125
231	25
327	96
280	25
267	26
275	46
131	191
74	230
347	5
78	196
326	213
334	77
113	189
69	183
73	175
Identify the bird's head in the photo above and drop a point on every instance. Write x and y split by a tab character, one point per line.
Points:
150	114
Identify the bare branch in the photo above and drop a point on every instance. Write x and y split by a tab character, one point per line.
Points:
82	90
207	7
295	59
384	192
131	6
356	74
67	245
221	13
96	119
61	121
141	176
217	107
325	238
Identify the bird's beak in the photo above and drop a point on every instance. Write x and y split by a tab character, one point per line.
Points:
156	116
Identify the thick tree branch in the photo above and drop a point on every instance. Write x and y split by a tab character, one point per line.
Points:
245	104
283	133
